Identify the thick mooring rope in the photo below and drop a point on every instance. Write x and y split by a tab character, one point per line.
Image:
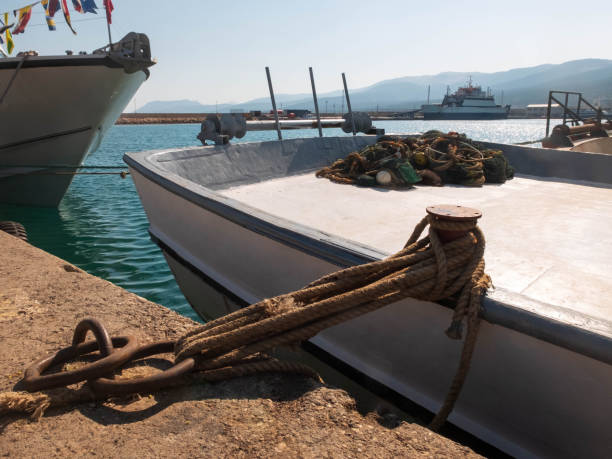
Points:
425	269
234	345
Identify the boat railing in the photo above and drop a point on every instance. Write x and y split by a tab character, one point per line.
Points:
570	114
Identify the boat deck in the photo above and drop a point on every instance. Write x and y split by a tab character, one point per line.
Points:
547	241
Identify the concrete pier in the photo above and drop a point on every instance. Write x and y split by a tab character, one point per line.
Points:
41	300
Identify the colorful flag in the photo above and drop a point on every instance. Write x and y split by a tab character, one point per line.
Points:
89	6
54	6
77	6
25	14
108	5
67	15
50	20
9	39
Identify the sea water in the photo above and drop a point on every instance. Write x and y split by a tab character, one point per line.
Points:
101	227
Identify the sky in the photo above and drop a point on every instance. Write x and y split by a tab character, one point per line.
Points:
217	51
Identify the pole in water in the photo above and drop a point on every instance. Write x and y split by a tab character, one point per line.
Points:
278	130
348	104
316	102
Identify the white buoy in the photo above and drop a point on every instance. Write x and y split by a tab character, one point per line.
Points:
383	177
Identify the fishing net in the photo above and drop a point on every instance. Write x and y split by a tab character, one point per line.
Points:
433	158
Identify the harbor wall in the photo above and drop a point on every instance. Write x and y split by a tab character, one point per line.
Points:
41	300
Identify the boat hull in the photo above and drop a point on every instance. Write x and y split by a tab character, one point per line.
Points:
54	114
402	346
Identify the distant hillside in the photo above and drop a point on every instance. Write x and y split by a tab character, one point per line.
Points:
520	87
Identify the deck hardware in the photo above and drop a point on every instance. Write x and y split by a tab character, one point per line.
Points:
452	213
278	130
124	347
348	103
316	102
105	386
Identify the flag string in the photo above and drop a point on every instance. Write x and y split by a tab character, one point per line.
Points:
50	7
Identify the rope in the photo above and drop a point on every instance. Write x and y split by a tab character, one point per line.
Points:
235	345
12	80
528	142
425	269
122	174
62	166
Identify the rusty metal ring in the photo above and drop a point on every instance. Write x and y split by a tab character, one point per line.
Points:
33	380
105	386
104	341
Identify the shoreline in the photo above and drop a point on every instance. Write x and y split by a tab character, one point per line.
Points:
197	118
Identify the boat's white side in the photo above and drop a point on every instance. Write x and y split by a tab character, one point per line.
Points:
596	145
54	114
528	393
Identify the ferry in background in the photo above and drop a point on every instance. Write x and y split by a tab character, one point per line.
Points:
467	103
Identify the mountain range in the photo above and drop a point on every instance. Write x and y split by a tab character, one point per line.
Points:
518	87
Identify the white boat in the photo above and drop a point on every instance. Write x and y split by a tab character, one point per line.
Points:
55	110
467	103
239	223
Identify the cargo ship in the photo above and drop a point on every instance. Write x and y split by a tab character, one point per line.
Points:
467	103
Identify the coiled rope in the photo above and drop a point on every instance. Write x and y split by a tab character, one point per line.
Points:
425	269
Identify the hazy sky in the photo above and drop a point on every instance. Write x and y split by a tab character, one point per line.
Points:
217	51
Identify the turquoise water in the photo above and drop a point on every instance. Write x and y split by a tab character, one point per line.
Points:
101	227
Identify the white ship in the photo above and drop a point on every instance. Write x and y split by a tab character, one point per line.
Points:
243	222
55	110
467	103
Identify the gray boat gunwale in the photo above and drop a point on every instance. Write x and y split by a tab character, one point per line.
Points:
344	253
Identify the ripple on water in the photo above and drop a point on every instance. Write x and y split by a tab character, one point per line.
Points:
101	227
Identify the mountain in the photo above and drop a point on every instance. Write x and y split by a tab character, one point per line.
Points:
520	86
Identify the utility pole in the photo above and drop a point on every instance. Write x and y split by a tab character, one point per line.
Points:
428	92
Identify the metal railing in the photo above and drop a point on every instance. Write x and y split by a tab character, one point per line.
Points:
573	115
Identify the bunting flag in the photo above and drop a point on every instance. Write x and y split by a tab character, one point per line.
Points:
108	5
48	17
9	39
54	7
67	15
89	6
25	14
2	51
51	7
